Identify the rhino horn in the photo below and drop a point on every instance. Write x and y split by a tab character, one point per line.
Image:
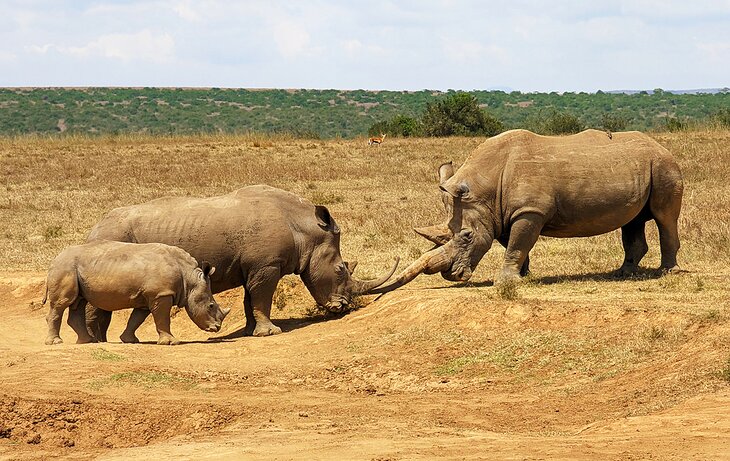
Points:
438	234
365	286
433	261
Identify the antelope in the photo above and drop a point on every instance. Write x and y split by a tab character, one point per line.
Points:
376	140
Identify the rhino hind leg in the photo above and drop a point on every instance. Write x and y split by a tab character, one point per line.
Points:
136	319
77	321
97	322
54	318
633	238
669	243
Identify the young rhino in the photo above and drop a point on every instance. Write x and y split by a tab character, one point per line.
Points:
114	275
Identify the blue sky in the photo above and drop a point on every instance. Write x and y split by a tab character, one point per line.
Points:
526	45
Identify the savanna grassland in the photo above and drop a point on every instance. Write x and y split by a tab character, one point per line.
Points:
571	364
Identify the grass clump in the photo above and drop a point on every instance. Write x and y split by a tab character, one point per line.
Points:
145	379
106	356
508	290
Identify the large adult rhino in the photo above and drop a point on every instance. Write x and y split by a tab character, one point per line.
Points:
253	236
519	185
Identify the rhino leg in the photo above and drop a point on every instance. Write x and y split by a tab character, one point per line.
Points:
525	270
136	319
77	321
522	237
54	318
62	291
633	239
260	289
160	309
97	322
666	221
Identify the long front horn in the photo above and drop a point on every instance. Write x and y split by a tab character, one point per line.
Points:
364	286
433	261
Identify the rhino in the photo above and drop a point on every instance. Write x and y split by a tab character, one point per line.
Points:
114	275
254	236
519	185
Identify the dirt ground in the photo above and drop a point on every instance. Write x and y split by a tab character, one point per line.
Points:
592	371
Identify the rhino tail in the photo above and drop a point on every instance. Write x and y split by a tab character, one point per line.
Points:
45	296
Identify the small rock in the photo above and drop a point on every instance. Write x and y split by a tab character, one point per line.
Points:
34	440
303	415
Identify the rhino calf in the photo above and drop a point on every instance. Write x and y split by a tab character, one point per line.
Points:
115	275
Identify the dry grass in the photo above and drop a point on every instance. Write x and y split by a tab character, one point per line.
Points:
54	190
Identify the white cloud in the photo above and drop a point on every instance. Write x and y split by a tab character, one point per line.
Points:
186	11
292	39
144	46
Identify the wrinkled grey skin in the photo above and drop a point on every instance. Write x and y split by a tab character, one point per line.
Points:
114	275
519	185
253	236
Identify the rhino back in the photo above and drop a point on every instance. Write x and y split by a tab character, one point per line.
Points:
117	275
247	228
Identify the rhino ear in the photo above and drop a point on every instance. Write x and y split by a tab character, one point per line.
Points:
439	234
446	171
325	220
207	269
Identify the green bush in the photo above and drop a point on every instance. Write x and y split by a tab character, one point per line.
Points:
722	117
674	124
556	123
459	115
400	125
614	122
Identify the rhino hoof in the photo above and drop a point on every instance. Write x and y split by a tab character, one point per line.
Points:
130	339
55	340
168	341
267	330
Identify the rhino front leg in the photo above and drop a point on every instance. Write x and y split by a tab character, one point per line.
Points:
525	269
161	314
136	319
260	292
522	237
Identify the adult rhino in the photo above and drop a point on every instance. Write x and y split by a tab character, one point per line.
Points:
519	185
253	236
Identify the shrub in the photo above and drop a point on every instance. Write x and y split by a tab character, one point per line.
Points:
674	124
556	123
459	115
614	122
722	117
400	125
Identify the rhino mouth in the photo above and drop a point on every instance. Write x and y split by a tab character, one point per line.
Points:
213	329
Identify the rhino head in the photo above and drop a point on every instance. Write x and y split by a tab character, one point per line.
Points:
202	309
327	276
461	242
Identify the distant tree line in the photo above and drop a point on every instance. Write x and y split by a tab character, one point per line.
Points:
460	114
347	114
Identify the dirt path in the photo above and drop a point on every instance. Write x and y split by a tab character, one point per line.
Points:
418	374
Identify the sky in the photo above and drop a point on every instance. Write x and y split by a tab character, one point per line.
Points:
524	45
